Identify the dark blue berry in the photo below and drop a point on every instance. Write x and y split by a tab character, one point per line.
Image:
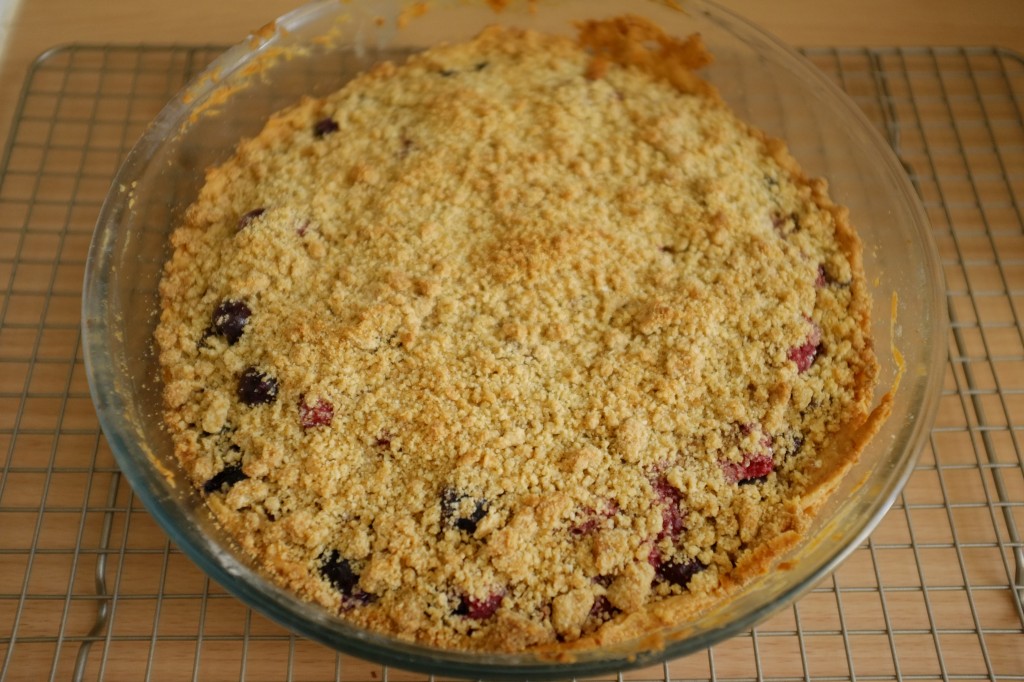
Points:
678	572
246	219
229	320
325	127
451	511
256	388
798	442
339	573
228	476
603	610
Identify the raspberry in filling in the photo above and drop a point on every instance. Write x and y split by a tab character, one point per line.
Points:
805	354
592	519
319	413
479	609
668	497
755	466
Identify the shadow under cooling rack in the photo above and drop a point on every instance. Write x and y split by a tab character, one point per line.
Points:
92	589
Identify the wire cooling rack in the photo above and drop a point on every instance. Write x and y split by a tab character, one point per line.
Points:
91	589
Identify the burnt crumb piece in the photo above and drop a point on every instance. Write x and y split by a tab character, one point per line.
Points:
447	73
785	224
383	441
230	319
451	511
406	147
325	127
669	499
256	387
246	219
678	572
480	66
225	478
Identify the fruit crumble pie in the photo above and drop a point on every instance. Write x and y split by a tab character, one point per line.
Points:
527	343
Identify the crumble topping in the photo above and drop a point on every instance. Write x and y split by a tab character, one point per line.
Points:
516	345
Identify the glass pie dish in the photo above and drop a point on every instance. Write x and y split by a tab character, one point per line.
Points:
314	51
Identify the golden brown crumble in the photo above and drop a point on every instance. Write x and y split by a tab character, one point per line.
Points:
517	344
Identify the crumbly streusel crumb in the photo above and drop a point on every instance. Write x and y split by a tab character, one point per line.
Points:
515	345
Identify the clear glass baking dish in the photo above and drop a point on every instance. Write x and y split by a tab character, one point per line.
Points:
316	49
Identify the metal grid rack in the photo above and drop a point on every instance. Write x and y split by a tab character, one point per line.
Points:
92	589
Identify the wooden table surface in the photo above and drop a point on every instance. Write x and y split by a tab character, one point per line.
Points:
36	25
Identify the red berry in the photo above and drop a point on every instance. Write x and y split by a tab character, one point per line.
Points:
751	468
479	609
669	498
592	518
755	465
319	414
822	279
804	354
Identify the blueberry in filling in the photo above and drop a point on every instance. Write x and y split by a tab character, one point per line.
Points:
226	477
452	510
256	387
230	319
